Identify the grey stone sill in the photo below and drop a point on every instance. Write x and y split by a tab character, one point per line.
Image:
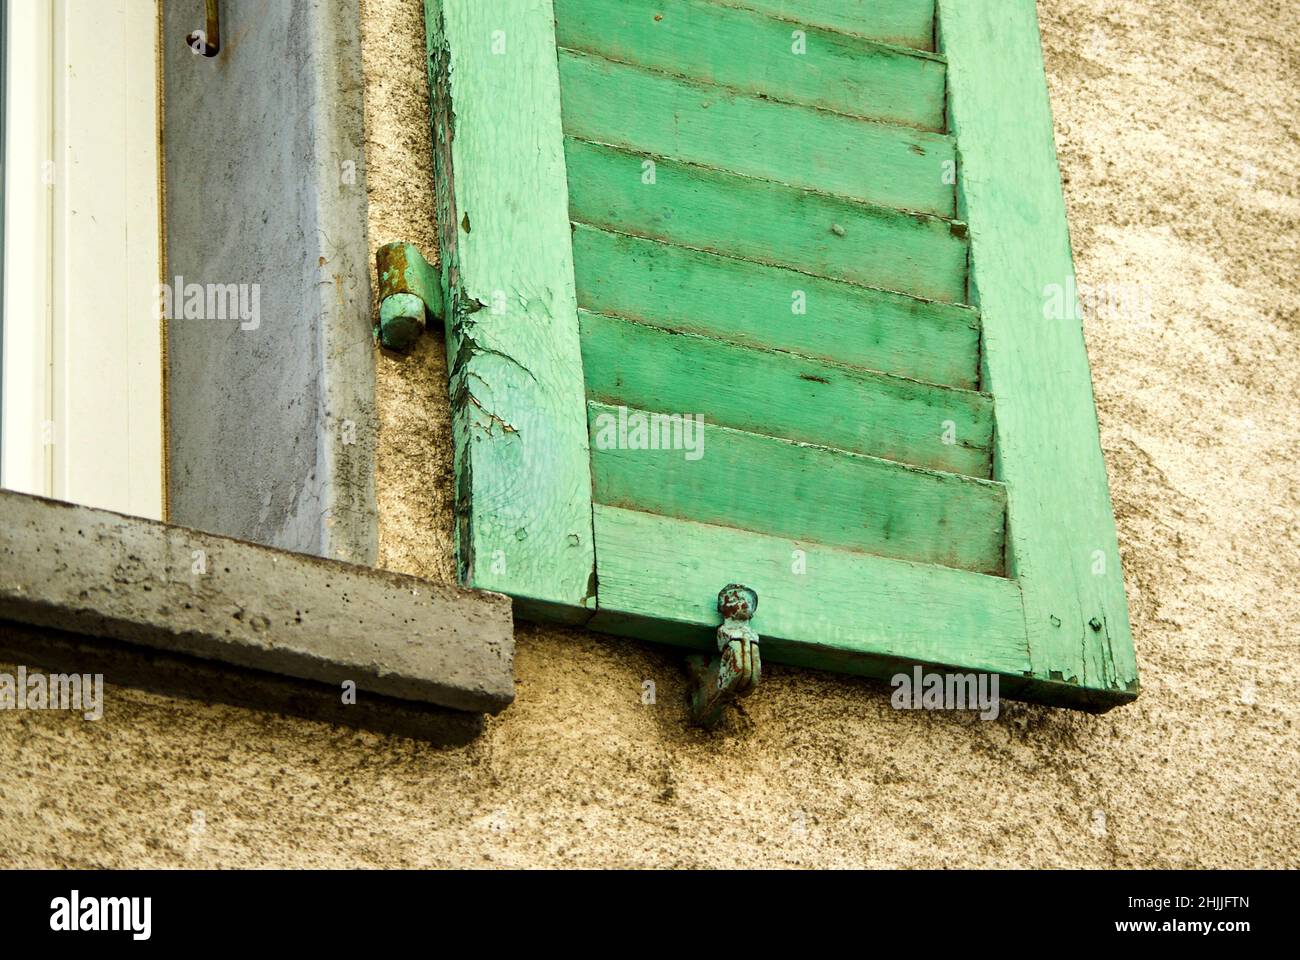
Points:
75	579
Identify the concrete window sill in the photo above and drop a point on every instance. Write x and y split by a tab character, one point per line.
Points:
80	587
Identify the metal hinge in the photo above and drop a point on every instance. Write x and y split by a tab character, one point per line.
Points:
410	295
208	40
736	670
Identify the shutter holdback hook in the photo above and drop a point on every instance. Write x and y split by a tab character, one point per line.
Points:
736	670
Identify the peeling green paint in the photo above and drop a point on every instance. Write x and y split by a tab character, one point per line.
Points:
515	371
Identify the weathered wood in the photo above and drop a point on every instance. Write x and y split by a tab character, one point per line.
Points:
908	23
847	611
768	222
787	396
698	236
757	305
757	54
794	490
523	478
654	113
1062	545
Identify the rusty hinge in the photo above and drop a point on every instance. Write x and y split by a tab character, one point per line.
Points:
736	670
208	40
410	295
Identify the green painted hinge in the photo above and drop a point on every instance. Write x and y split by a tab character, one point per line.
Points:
736	670
410	295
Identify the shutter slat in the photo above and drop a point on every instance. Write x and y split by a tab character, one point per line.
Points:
739	479
645	111
836	72
787	396
847	611
909	23
768	222
756	305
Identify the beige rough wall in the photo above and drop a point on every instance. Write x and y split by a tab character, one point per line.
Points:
1176	124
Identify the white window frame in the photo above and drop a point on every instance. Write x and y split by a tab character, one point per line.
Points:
82	401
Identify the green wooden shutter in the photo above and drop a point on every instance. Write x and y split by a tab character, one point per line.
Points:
834	229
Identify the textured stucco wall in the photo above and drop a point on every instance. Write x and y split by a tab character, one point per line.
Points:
1176	124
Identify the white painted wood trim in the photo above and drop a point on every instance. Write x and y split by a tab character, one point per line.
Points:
26	460
83	343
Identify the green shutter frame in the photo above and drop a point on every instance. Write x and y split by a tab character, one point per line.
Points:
523	476
911	472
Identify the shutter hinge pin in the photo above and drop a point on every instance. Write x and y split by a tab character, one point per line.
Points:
736	670
208	40
410	295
